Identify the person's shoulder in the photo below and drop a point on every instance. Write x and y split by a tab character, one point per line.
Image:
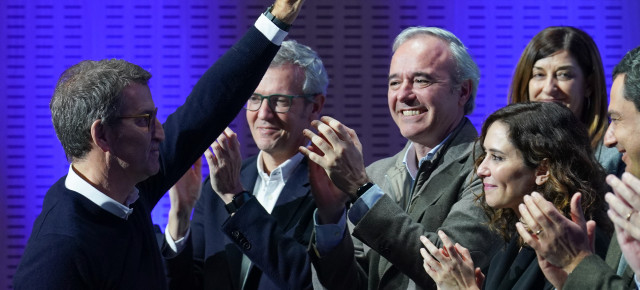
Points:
51	261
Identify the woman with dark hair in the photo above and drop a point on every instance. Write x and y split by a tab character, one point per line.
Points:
562	64
527	147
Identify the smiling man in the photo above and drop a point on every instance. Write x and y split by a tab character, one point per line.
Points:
426	187
259	240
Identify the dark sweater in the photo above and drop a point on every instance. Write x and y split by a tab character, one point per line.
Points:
92	248
77	245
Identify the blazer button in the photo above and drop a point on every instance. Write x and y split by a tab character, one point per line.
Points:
235	234
246	245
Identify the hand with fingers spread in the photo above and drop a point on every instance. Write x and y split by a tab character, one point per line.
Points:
561	242
624	205
450	267
184	195
340	154
623	211
225	163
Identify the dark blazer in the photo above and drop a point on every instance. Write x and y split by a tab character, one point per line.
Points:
77	245
275	243
441	198
512	268
515	268
595	273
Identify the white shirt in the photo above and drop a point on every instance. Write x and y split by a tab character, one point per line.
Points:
268	187
78	184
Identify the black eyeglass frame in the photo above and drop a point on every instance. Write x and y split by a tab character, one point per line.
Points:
309	97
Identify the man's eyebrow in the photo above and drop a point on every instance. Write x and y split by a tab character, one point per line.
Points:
415	74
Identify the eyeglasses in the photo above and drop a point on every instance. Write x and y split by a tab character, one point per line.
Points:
278	103
149	119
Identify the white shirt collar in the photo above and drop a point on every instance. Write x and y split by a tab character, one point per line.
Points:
78	184
283	171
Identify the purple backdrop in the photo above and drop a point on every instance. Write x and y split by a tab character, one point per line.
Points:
178	40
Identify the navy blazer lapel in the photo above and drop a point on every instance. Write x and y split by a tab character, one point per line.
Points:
294	197
249	173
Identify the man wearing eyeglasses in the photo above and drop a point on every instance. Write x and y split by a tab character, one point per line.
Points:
95	229
252	223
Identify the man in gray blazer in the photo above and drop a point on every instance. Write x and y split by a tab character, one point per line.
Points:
427	187
565	243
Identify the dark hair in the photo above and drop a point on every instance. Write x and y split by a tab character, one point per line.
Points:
584	50
89	91
630	67
549	131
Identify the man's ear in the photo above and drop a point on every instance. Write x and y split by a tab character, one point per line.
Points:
317	105
542	172
99	135
465	92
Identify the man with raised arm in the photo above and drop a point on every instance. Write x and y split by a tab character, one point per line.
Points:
95	229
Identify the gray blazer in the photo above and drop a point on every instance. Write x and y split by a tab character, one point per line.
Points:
441	198
594	273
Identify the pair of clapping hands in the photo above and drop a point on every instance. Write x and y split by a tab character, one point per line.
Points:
560	244
336	172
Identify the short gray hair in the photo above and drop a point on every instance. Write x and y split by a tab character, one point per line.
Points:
466	68
316	79
89	91
630	67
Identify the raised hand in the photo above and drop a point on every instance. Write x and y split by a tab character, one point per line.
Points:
561	242
340	154
450	267
624	205
287	10
623	211
184	195
225	162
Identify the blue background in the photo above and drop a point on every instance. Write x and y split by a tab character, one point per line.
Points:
178	40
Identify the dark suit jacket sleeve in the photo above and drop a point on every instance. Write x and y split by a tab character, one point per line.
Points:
213	103
594	273
340	263
279	255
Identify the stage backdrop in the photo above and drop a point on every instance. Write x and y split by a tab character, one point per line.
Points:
178	40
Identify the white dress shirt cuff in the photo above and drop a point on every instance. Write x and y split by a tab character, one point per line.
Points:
270	30
176	246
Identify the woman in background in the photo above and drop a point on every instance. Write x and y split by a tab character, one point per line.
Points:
562	64
527	147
